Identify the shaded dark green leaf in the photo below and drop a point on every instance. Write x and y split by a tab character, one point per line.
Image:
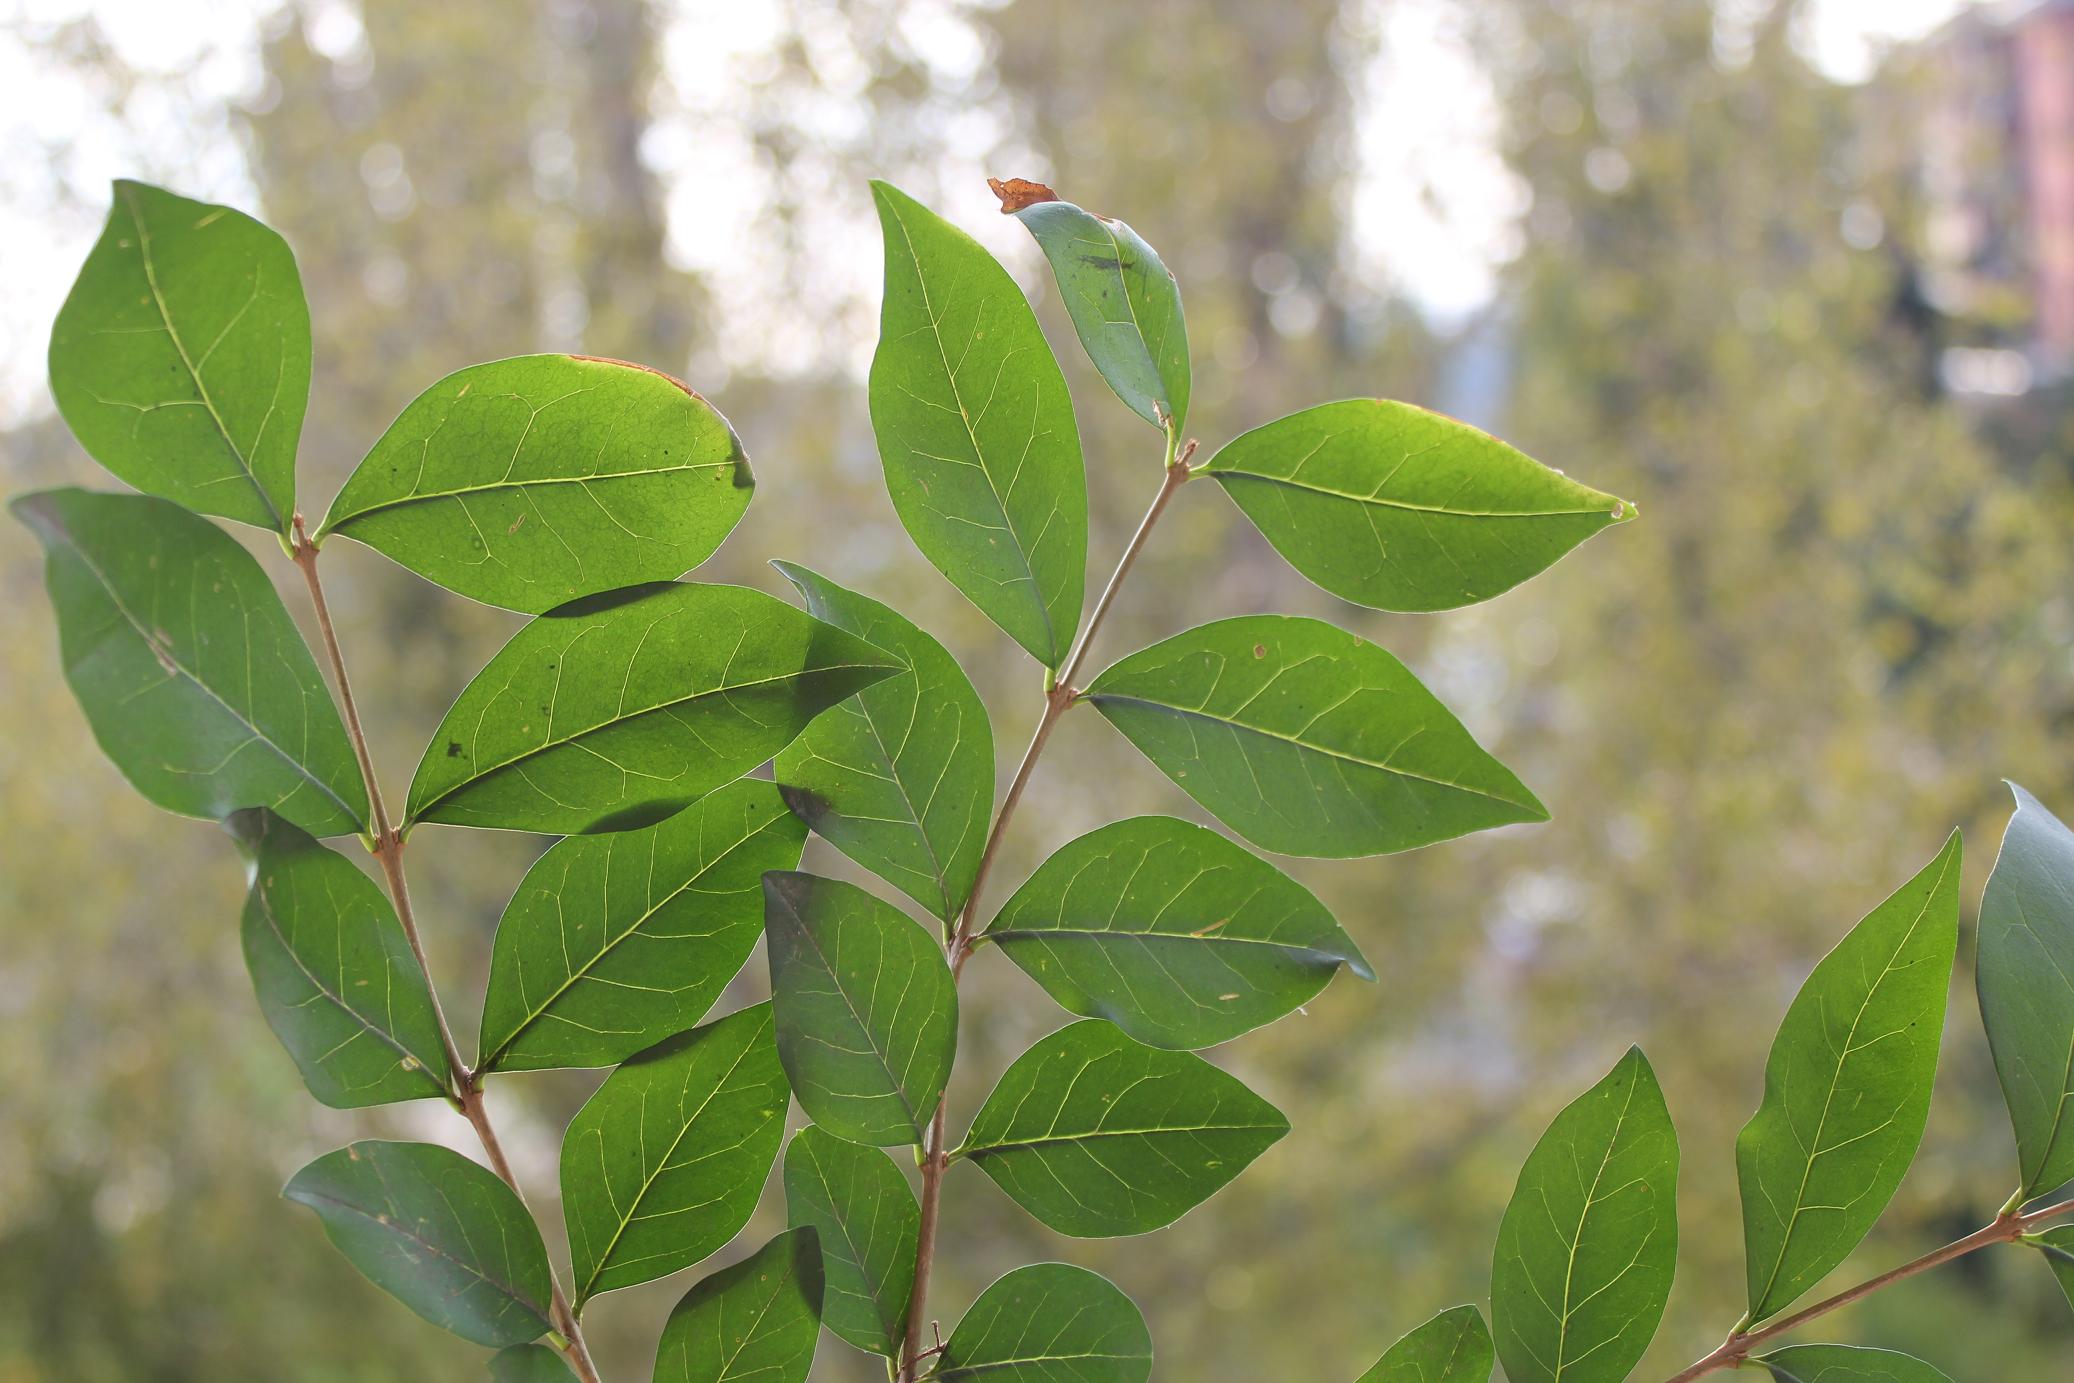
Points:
867	1011
615	712
2025	975
865	1213
1389	505
1847	1088
757	1320
1049	1323
531	482
181	359
1454	1347
976	430
196	682
1846	1364
1171	932
2057	1244
664	1163
436	1231
1098	1135
901	776
529	1364
334	973
1590	1239
1307	740
615	942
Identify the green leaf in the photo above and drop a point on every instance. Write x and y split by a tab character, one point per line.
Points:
1125	306
617	711
531	482
1049	1323
1097	1135
1847	1089
901	776
867	1010
1306	740
195	681
1173	933
335	977
529	1364
758	1320
1391	506
436	1231
181	359
615	942
865	1212
1846	1364
976	430
2057	1244
1453	1347
2025	975
1590	1239
664	1164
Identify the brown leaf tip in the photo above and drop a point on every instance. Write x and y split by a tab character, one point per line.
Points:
1017	193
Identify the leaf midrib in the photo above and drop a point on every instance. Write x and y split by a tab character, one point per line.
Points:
1021	1144
333	525
396	1226
1405	505
871	1039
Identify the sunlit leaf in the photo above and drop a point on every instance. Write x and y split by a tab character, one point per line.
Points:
1049	1323
866	1216
617	711
530	482
1590	1239
1847	1088
1171	932
1846	1364
1389	505
2025	973
1306	740
867	1012
335	977
901	776
181	360
755	1322
976	430
615	942
1097	1135
664	1163
436	1231
1454	1347
529	1364
195	680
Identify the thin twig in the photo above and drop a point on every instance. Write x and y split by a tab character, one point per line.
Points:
1058	699
466	1094
2004	1229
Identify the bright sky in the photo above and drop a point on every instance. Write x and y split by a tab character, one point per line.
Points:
1435	211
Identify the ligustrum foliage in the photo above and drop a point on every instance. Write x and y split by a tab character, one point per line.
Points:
630	717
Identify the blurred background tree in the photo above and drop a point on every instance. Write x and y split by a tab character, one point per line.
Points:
1845	614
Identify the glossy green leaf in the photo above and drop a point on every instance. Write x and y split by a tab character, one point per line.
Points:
2025	975
335	976
664	1163
901	776
1847	1088
617	711
1389	505
1306	740
867	1010
1097	1135
532	482
866	1215
529	1364
436	1231
976	430
1590	1239
1125	306
181	359
1846	1364
1173	933
1454	1347
615	942
2057	1244
195	680
755	1322
1049	1323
